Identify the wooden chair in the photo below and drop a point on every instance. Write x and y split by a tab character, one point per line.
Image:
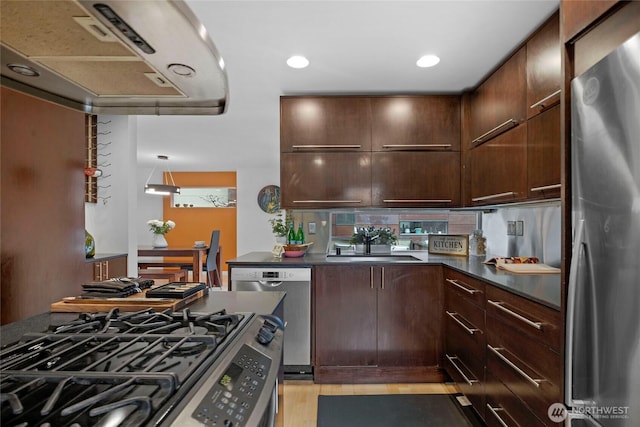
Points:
211	266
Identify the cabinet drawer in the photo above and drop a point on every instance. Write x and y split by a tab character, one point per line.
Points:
529	369
538	321
504	408
471	386
464	317
465	287
469	354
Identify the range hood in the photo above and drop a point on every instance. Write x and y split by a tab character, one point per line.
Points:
112	56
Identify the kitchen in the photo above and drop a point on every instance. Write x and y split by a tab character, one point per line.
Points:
254	233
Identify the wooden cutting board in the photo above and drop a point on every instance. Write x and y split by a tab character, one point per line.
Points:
528	268
132	303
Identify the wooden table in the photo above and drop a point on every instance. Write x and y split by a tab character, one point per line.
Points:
196	254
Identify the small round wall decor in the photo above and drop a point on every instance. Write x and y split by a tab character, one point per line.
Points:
269	199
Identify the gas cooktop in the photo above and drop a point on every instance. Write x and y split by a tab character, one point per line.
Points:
114	368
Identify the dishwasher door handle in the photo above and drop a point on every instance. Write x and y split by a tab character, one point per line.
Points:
270	283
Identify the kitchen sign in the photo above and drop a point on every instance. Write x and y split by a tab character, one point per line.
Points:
449	244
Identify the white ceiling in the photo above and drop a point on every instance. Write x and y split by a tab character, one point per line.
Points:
355	47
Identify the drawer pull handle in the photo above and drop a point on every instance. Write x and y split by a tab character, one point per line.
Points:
500	305
503	127
455	365
496	350
416	146
467	290
417	200
327	201
495	411
547	187
465	327
494	196
543	102
327	146
371	277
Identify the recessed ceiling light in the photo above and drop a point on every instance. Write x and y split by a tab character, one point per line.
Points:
23	70
427	61
297	62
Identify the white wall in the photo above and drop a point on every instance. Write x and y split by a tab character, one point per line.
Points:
118	222
109	219
254	229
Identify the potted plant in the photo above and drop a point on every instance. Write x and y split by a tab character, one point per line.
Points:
159	228
280	225
381	239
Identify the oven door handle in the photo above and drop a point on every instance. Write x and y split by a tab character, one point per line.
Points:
273	407
270	283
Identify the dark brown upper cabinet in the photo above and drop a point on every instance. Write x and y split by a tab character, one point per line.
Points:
543	154
544	67
415	179
325	180
499	169
415	123
340	123
499	103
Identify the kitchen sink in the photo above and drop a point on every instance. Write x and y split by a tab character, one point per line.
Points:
371	258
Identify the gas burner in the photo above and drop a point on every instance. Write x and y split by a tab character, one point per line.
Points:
191	329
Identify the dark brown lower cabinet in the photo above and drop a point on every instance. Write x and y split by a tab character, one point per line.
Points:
464	335
503	351
104	269
377	324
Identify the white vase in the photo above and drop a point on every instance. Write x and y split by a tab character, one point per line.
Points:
159	241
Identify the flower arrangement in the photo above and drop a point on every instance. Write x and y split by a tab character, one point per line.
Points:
380	236
279	225
160	227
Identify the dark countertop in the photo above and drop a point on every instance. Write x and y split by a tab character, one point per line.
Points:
541	288
233	302
105	257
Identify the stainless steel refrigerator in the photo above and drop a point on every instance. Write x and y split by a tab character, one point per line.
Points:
603	300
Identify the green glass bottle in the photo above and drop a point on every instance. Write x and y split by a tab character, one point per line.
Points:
291	237
300	234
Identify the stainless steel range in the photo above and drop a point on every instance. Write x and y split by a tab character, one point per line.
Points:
143	369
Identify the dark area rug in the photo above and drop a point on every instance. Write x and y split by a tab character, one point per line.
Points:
405	410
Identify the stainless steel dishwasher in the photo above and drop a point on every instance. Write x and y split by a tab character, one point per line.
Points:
296	282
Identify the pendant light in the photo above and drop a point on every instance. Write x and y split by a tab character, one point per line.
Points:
163	189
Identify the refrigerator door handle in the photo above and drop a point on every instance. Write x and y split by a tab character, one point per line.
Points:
572	290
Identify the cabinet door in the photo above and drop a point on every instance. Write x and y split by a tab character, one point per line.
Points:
345	316
544	76
543	154
319	123
499	168
415	179
325	180
117	267
499	103
415	122
409	315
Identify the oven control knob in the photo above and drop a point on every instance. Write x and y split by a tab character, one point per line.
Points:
264	336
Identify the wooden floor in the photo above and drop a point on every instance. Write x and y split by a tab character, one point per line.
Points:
301	397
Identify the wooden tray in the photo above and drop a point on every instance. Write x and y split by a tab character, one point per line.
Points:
133	303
